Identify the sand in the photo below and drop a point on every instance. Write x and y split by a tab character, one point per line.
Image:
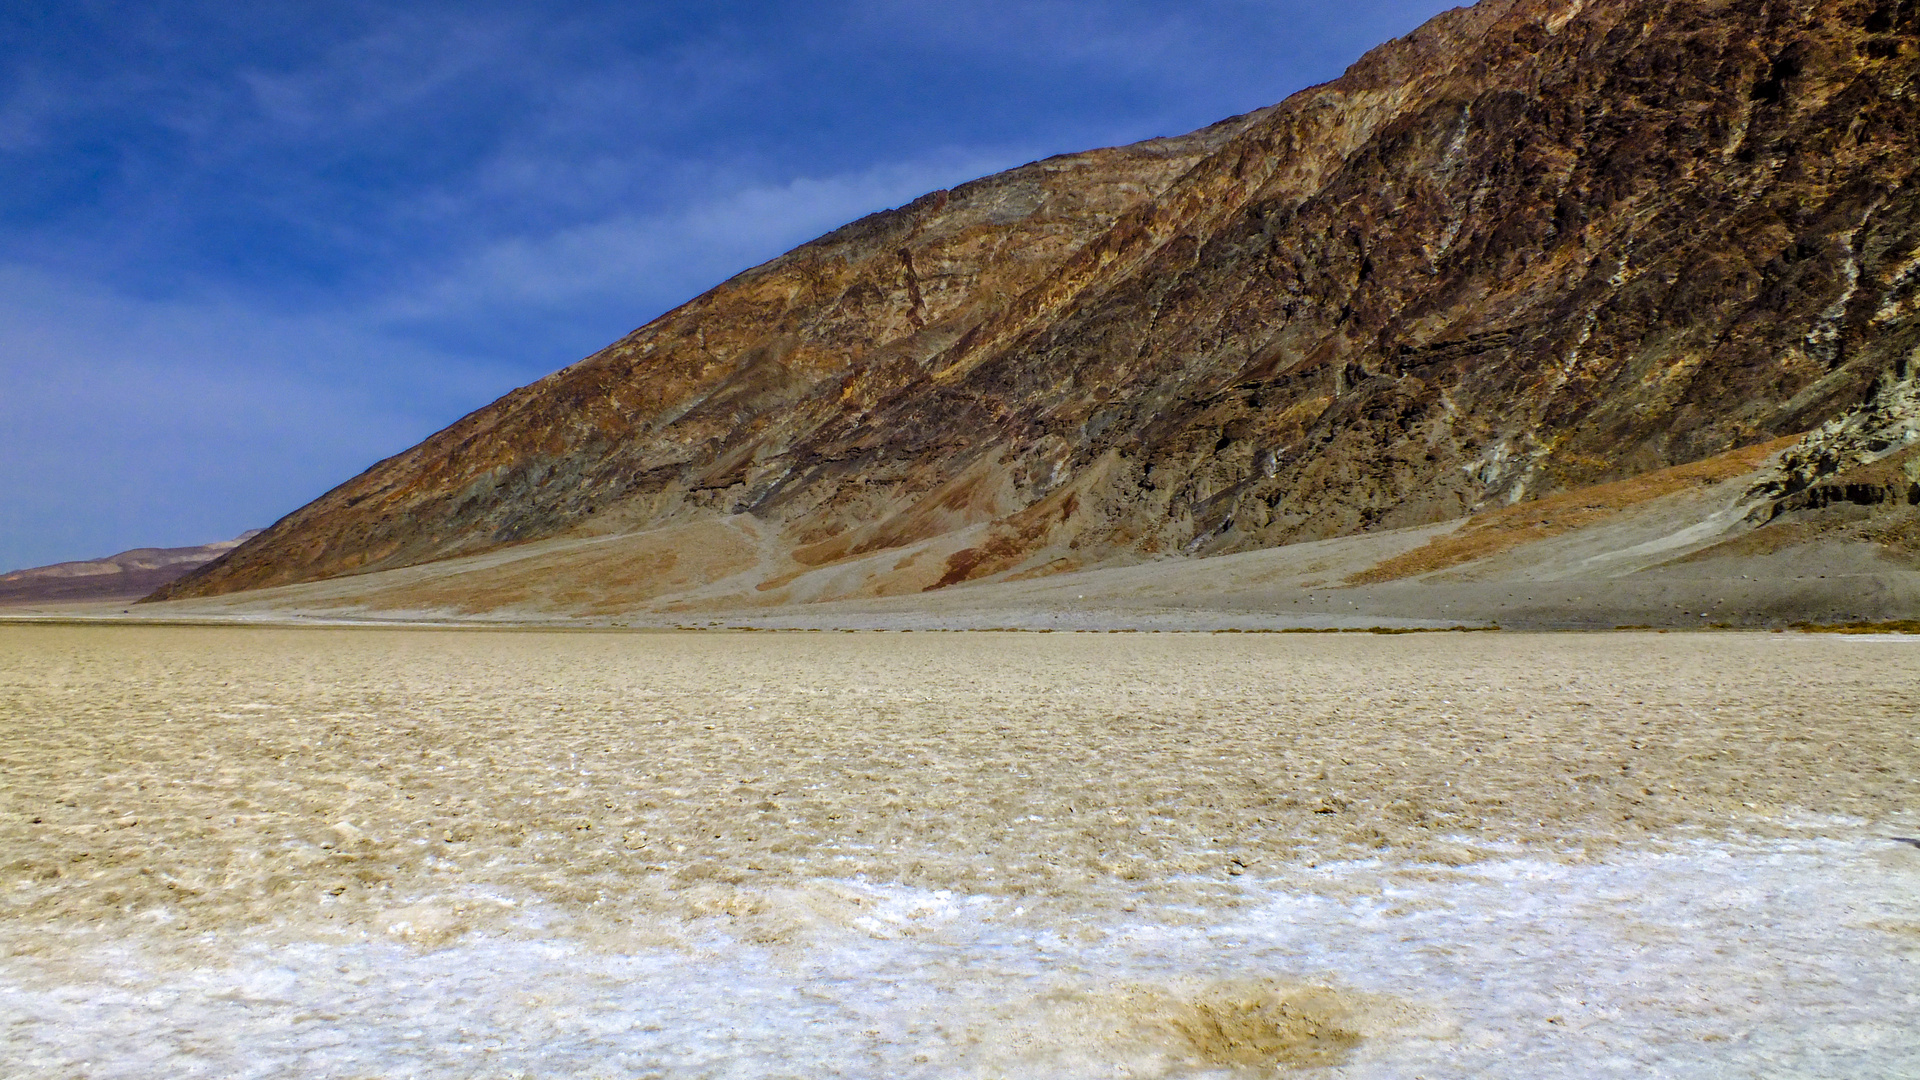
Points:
331	852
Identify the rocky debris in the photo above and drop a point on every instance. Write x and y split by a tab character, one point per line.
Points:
1886	424
1822	496
1856	476
1533	246
1875	504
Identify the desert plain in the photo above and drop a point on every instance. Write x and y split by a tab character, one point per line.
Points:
327	851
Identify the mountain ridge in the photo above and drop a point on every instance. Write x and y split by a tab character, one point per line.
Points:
1530	247
127	575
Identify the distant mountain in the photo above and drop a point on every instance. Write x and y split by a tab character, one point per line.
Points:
126	576
1533	246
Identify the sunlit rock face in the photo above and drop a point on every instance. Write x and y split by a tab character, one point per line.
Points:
1534	245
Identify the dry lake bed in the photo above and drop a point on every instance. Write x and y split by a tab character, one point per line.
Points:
261	852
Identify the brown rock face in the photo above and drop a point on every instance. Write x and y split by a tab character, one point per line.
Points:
1537	244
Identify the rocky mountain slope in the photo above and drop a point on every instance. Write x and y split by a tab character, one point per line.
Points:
1535	245
126	576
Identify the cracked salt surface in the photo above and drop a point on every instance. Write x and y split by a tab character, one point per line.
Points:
350	853
1770	958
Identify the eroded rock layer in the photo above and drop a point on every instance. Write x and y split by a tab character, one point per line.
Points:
1535	245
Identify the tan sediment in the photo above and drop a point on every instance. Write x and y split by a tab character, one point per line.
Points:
1259	1027
224	777
1497	531
1894	626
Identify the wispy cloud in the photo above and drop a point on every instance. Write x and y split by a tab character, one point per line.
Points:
630	267
132	422
247	249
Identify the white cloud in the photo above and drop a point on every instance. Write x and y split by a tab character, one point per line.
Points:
392	71
368	235
128	422
648	263
29	107
1137	35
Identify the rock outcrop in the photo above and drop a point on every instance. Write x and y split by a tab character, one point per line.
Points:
1534	245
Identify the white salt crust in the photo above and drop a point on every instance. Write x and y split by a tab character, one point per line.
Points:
368	853
1776	958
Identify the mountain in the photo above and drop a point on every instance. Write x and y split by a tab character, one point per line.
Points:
1532	247
126	576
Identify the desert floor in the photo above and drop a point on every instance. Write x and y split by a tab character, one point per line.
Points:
369	852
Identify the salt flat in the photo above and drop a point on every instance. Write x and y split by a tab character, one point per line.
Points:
367	852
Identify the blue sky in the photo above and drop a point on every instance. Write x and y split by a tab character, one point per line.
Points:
246	250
